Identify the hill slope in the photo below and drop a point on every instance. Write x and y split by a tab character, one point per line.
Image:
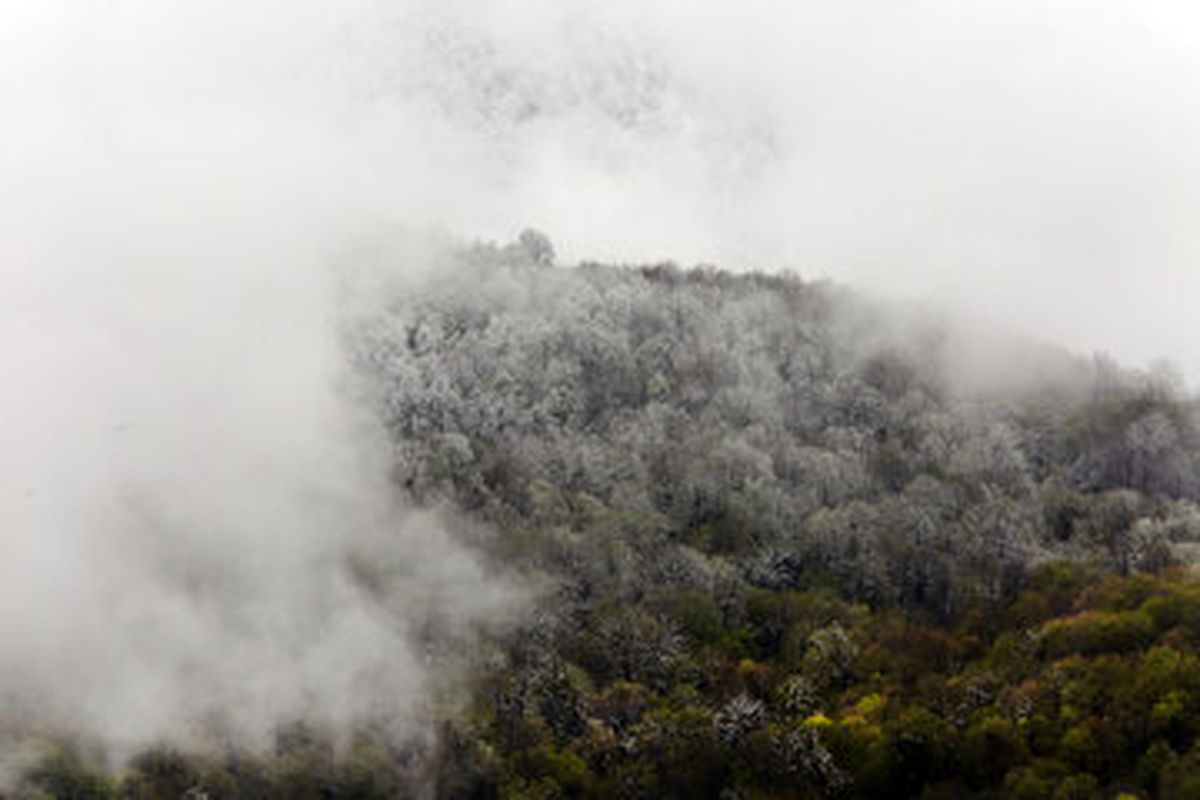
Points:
783	541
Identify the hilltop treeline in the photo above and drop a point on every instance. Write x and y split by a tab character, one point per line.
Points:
631	428
785	541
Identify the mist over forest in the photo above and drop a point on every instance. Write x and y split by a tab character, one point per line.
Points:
651	531
542	399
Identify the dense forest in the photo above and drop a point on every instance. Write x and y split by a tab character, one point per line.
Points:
784	541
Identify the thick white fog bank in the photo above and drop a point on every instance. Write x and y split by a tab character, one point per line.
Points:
198	537
1033	163
184	480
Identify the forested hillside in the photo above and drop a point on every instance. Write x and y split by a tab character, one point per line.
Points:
758	500
650	427
783	542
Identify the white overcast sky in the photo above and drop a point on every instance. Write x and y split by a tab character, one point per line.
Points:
1035	162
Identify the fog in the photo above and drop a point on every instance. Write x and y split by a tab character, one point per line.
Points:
191	493
185	471
1032	164
1036	164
